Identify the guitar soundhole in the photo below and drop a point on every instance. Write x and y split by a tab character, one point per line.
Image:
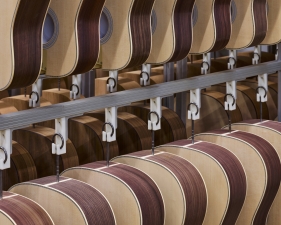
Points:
50	29
106	26
194	15
153	21
233	11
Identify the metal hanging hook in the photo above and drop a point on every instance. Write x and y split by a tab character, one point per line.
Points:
192	121
107	143
265	93
114	82
229	112
37	95
258	55
231	95
78	90
206	63
234	60
57	156
152	131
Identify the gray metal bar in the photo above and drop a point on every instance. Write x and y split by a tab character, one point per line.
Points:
279	83
169	76
69	109
181	97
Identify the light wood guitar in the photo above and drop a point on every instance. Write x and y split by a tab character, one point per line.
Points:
172	31
71	36
270	131
249	25
21	27
223	175
127	39
273	35
140	195
180	183
68	201
262	167
212	26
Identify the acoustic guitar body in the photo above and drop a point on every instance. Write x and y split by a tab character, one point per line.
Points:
22	167
212	28
262	167
223	175
19	210
38	142
21	41
172	31
270	131
180	183
249	24
68	201
273	35
72	46
132	194
128	39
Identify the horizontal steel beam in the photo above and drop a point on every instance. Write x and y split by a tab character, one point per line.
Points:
70	109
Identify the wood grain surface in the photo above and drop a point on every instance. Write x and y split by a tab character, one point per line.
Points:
56	96
86	204
76	49
22	167
223	174
85	132
132	133
16	209
38	142
172	128
141	201
23	26
257	157
171	172
270	131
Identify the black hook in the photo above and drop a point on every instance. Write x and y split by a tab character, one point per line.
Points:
202	65
37	95
146	75
6	155
235	62
155	113
62	139
231	95
112	128
75	85
261	87
197	108
114	81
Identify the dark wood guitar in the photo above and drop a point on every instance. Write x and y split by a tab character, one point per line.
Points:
16	209
223	175
262	167
68	201
140	195
21	41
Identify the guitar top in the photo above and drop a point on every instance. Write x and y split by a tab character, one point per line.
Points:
172	31
21	41
249	25
128	41
212	25
71	36
273	35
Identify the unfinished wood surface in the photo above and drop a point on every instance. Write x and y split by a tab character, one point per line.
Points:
262	167
38	142
122	84
16	209
180	183
56	96
6	108
212	113
130	42
21	51
85	132
172	128
140	195
223	175
132	133
171	40
213	26
22	167
21	102
68	201
273	35
155	77
270	131
77	46
269	107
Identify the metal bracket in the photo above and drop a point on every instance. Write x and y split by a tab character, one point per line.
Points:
195	99
35	95
112	81
155	114
111	124
6	148
231	96
206	63
262	88
257	55
145	75
75	89
232	61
